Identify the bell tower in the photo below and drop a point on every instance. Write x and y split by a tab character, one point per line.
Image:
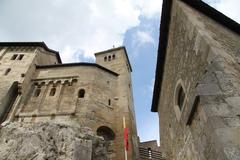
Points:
116	60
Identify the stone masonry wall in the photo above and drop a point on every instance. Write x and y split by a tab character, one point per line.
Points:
20	62
52	94
120	65
203	57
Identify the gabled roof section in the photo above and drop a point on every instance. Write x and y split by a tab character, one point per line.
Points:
76	64
29	44
163	39
115	49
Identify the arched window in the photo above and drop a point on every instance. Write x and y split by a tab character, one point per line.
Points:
106	132
113	56
74	80
7	71
81	93
37	92
53	91
109	58
180	98
105	58
66	82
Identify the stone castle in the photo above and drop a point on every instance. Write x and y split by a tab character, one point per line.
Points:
197	83
37	88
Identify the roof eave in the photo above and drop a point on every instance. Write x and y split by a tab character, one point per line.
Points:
34	44
164	29
76	64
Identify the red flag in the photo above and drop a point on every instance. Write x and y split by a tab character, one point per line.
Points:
126	138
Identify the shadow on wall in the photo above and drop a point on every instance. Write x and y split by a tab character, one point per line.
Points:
7	101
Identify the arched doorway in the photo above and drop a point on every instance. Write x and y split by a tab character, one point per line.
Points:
106	132
109	136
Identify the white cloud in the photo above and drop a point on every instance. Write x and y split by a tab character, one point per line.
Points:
149	8
139	39
144	37
72	25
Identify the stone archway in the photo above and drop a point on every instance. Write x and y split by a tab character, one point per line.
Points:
109	136
106	132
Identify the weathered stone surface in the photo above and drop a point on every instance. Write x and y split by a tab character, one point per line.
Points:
48	91
204	57
49	141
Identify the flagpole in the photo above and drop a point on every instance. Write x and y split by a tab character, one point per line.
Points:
125	151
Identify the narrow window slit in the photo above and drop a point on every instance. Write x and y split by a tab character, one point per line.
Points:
14	57
7	71
20	57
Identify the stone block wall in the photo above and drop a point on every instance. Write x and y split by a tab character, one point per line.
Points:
77	94
203	59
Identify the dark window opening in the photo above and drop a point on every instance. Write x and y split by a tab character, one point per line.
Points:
109	102
66	82
106	132
180	98
81	93
37	92
58	82
14	57
20	56
7	71
109	58
42	83
53	91
114	56
74	80
105	58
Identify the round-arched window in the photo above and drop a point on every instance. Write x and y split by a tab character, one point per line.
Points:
81	93
109	58
53	91
37	92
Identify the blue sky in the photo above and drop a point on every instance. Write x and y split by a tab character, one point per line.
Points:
78	28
